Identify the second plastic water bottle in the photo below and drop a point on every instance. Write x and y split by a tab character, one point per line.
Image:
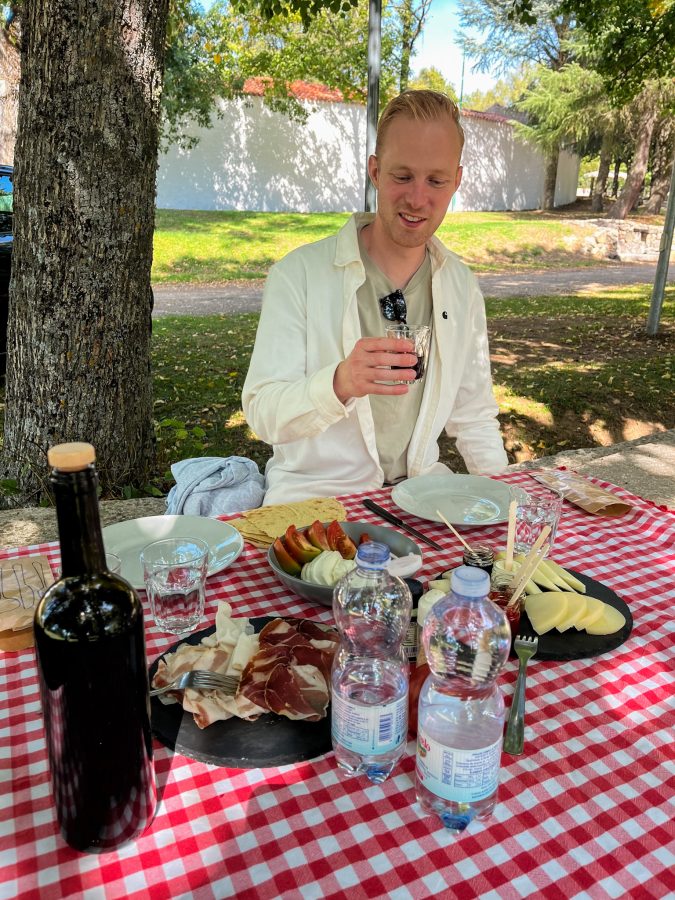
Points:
370	670
466	638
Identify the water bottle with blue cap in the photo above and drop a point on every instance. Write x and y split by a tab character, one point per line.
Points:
370	669
466	639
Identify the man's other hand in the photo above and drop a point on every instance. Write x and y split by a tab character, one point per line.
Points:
370	363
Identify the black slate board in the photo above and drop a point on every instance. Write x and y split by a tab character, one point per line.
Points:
573	644
269	741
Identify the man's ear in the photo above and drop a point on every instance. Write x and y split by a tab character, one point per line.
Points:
458	178
373	170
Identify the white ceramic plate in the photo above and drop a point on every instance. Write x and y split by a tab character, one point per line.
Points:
463	499
127	540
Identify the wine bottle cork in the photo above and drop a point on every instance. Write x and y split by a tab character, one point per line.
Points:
71	457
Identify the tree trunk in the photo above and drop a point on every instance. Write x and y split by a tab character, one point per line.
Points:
406	45
603	173
638	166
81	300
660	183
550	176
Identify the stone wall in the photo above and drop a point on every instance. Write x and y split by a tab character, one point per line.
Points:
621	240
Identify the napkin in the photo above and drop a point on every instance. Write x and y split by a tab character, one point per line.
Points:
582	493
22	582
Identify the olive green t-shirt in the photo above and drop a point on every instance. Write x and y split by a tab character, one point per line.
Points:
394	417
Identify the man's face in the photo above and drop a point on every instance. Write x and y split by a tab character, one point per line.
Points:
416	175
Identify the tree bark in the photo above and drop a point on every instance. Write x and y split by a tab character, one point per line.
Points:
550	176
638	166
81	300
661	174
603	173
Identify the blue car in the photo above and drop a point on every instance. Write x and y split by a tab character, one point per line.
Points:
6	195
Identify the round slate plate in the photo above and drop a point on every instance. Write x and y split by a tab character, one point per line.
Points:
269	741
573	644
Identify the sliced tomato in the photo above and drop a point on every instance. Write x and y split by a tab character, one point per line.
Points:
299	547
316	535
284	558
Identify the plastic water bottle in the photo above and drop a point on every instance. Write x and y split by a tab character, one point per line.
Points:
370	669
466	639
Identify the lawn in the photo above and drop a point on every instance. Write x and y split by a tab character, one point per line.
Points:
569	372
203	247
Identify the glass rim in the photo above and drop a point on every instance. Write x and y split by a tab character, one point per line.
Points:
167	541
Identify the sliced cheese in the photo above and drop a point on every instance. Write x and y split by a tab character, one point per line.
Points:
577	585
594	609
610	621
441	584
546	611
576	610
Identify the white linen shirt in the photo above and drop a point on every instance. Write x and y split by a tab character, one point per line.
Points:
309	324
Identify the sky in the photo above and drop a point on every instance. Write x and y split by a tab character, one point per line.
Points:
438	47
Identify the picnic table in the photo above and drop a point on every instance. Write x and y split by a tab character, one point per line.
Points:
586	811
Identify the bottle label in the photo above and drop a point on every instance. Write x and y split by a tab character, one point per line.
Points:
461	776
369	730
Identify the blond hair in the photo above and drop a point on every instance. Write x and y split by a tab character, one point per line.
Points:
422	105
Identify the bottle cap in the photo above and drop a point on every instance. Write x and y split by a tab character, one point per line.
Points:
470	582
71	457
372	555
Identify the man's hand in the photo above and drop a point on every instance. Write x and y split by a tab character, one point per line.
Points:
369	364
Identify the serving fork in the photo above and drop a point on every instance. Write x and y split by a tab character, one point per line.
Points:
200	680
514	740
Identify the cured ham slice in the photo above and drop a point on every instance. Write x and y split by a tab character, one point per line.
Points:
285	670
290	673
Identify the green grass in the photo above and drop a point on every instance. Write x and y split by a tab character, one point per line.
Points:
203	247
569	372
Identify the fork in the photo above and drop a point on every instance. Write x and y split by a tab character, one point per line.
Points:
200	680
514	741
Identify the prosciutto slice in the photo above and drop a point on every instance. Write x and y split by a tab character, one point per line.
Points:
290	673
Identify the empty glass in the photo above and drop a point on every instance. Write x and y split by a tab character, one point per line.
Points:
175	572
536	507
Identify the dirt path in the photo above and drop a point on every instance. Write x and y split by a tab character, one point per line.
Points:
240	297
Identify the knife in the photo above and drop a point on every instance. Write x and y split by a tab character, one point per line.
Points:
394	520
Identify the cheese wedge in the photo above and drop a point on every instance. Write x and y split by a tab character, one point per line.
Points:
594	609
576	610
609	622
546	611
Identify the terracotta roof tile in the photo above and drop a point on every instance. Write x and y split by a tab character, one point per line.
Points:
301	90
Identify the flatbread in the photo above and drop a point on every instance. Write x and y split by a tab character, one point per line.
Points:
262	526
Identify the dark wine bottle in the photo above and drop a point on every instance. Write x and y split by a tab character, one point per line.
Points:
90	650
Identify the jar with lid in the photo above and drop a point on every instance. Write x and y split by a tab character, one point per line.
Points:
481	556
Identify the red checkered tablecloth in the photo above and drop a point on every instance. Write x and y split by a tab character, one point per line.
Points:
587	810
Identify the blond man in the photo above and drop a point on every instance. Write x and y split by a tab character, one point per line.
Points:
319	387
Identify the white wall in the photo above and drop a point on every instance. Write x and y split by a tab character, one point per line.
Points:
256	159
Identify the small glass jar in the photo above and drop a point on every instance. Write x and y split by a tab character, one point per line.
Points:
481	556
501	589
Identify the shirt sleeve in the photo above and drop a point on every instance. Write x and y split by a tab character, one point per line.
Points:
282	401
473	421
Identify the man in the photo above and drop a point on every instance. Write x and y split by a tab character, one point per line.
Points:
318	388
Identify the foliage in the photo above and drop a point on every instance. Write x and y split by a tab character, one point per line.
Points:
410	16
503	41
633	41
432	79
505	92
211	54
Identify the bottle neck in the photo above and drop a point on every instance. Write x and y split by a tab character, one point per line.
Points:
79	522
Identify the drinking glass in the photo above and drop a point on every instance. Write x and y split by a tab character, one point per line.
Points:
113	563
175	572
421	337
536	507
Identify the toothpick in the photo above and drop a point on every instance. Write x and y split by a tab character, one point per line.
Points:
530	563
511	536
456	533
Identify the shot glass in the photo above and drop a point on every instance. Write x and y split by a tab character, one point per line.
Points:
175	572
536	507
421	336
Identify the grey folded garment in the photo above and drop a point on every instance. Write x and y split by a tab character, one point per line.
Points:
214	486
